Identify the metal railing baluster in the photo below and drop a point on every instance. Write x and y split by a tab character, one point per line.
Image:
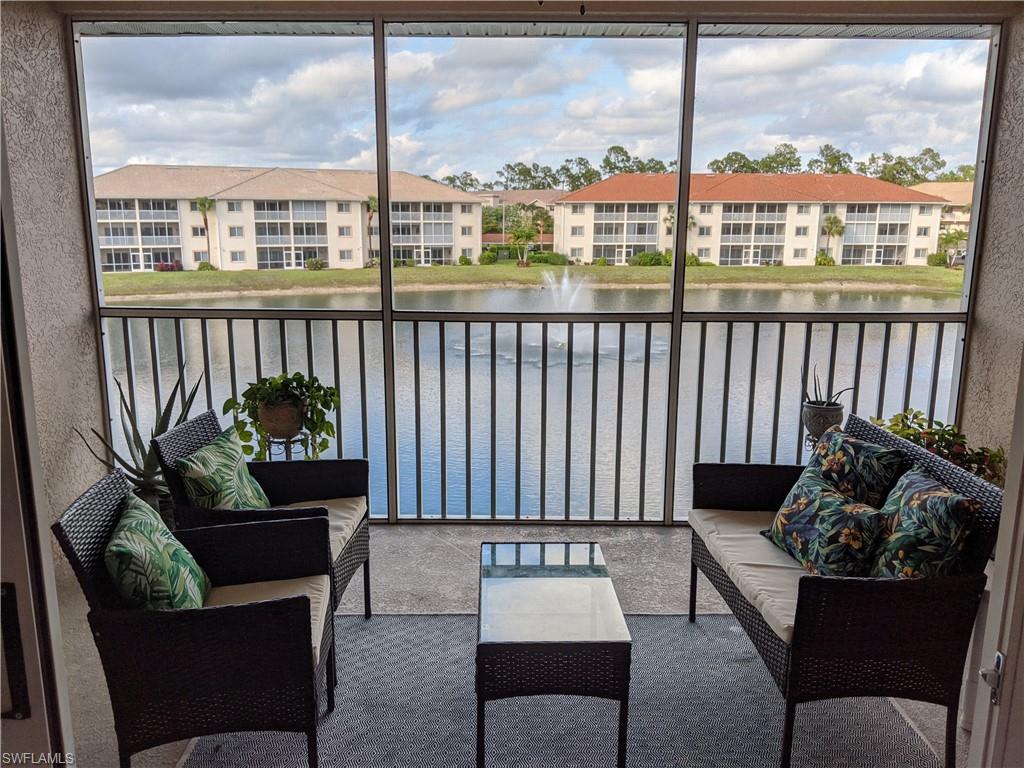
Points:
469	425
752	388
618	419
257	347
779	367
232	367
363	405
179	356
282	336
442	368
309	348
883	369
416	417
129	361
833	345
726	382
933	384
701	349
808	334
859	361
595	368
644	408
207	365
908	373
336	360
519	419
543	420
154	359
569	366
494	421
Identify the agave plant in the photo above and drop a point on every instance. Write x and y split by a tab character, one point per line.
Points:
140	463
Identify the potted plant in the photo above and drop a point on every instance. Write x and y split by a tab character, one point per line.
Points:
139	462
822	411
284	407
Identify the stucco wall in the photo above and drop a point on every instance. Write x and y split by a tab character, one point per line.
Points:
39	133
994	354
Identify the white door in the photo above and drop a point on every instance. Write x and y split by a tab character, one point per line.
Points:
422	257
627	254
997	739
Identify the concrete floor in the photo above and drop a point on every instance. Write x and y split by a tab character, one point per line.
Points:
424	568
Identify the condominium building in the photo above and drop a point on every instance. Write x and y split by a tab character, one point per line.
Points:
956	213
275	218
739	219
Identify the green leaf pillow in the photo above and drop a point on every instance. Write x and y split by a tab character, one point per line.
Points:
148	565
827	532
927	528
216	476
861	470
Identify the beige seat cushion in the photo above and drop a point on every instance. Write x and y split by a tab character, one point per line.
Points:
765	575
316	588
344	516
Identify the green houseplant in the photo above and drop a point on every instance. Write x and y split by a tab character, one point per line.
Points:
284	407
140	463
822	411
950	443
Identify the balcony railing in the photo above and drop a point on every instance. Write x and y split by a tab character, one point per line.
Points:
770	216
309	215
151	215
112	241
892	239
777	239
161	240
310	239
740	216
614	217
272	215
616	238
115	215
547	420
273	239
406	239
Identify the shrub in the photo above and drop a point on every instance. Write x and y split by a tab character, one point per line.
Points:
167	266
464	261
646	259
315	265
950	443
693	261
205	266
822	259
937	260
601	262
549	257
488	257
400	262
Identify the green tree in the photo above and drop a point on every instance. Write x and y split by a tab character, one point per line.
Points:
465	181
204	205
734	162
905	170
830	160
783	159
577	172
541	218
617	160
962	173
519	175
950	242
520	238
831	226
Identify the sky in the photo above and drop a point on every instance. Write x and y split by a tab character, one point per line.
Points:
474	104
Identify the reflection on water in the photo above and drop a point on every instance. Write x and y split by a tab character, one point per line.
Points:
567	441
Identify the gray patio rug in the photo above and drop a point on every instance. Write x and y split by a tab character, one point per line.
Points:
700	696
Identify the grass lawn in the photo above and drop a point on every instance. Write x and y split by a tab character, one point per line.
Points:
926	279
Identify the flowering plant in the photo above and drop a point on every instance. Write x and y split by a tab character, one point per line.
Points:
950	443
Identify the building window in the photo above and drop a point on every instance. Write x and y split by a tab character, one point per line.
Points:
925	210
923	231
467	252
801	231
344	231
466	208
237	256
345	254
921	253
803	209
235	232
234	206
198	256
467	231
576	232
344	207
198	231
192	206
703	231
576	254
705	208
704	254
375	230
828	208
800	253
577	209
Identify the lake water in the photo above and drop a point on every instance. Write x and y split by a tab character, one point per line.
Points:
749	406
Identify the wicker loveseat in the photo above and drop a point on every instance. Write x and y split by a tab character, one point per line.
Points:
826	637
337	489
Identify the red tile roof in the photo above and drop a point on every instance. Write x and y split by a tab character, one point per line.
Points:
749	188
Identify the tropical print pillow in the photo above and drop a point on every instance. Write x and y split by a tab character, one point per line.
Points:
216	476
149	566
858	469
927	526
827	532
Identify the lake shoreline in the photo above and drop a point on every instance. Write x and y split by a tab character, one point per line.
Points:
827	285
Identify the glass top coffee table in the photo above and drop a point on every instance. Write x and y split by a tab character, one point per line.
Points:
550	623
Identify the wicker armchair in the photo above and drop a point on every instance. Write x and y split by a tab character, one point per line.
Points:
855	636
332	488
229	666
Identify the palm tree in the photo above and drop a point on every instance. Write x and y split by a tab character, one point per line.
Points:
949	244
371	208
204	205
831	226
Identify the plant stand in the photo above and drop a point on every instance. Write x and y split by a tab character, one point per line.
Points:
286	449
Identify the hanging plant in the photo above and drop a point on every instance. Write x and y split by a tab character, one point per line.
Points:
285	407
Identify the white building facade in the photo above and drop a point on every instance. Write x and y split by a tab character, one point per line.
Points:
751	219
275	218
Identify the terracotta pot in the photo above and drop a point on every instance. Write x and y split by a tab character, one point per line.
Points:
818	417
283	421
